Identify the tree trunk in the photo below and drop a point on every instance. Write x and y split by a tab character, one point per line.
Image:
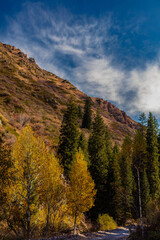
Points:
28	198
140	201
75	222
28	207
47	223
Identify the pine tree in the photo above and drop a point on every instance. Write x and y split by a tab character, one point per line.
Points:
69	135
117	187
142	125
109	187
99	163
142	119
97	151
108	144
87	117
81	191
127	178
153	156
80	115
145	192
82	144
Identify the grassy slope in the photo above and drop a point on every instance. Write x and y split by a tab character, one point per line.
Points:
31	94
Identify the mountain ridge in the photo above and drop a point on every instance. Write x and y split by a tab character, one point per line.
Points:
31	94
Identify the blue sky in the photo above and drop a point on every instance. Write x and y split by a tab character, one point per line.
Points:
108	49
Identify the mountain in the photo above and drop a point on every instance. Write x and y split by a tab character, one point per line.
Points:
31	94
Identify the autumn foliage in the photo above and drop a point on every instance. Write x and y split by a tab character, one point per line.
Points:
81	190
38	195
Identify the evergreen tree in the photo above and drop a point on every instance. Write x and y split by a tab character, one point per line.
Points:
69	135
143	122
127	178
153	156
158	140
117	187
108	144
82	144
145	190
87	117
109	187
99	163
142	119
80	115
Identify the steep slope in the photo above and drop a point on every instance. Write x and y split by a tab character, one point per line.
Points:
31	94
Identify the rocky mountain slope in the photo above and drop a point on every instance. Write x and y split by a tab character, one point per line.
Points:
31	94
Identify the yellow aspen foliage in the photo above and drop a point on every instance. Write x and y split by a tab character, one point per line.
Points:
81	191
28	154
51	187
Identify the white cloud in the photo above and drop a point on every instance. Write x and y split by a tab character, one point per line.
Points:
75	49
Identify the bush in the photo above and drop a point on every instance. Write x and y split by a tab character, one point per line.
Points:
106	222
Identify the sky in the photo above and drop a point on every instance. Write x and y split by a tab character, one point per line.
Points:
107	48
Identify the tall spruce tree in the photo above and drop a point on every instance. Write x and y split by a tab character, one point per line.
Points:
127	178
80	115
145	190
117	187
153	156
69	135
143	123
109	187
108	144
99	163
83	145
87	117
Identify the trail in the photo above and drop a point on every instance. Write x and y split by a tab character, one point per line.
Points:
117	234
121	233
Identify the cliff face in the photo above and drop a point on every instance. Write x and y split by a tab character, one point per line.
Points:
31	94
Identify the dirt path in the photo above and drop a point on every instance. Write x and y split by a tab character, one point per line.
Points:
121	233
117	234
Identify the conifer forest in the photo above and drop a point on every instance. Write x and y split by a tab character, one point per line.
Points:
85	181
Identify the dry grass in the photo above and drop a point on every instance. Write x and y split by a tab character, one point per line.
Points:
30	94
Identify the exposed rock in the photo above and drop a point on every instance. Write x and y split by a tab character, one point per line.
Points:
32	60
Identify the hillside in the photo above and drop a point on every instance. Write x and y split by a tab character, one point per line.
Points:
31	94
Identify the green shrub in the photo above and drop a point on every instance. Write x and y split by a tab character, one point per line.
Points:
106	222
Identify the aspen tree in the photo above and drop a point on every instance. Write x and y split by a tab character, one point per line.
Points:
28	153
51	187
81	191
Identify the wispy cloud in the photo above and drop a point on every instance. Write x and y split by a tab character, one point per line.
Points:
77	48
